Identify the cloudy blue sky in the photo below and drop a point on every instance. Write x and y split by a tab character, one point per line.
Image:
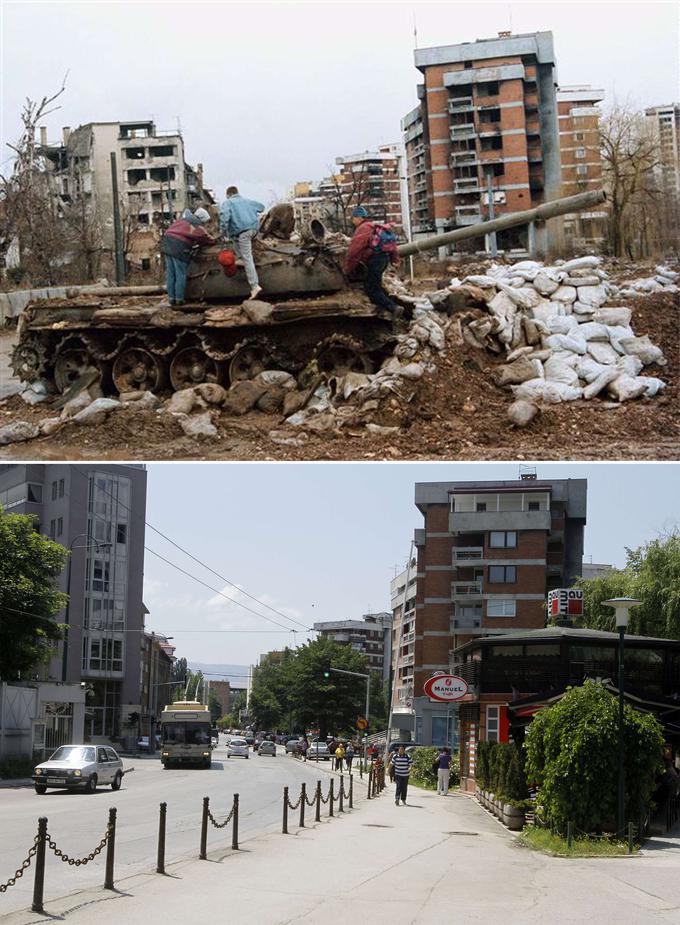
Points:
270	93
321	541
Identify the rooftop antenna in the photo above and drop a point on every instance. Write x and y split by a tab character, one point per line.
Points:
415	31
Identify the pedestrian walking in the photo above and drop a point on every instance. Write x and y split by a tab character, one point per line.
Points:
304	745
339	757
443	771
349	755
402	768
240	220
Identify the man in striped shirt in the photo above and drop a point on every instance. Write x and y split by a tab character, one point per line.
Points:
402	768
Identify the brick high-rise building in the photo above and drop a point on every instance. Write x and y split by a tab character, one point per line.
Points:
369	637
667	121
374	179
488	554
579	120
487	114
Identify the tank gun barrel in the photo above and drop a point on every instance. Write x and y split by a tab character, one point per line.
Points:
540	213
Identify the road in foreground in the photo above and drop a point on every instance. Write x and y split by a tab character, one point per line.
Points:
77	820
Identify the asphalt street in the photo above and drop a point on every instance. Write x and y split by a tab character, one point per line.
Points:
77	821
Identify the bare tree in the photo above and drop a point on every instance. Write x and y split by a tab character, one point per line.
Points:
29	214
347	192
630	155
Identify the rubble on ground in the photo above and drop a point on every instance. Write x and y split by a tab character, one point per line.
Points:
546	334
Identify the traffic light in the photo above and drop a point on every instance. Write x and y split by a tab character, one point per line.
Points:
326	673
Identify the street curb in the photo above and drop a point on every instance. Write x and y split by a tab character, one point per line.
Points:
16	782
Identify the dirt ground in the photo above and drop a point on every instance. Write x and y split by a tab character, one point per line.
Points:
456	413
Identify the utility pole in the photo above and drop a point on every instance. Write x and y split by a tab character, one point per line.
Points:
117	227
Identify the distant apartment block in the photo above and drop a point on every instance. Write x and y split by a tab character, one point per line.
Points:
488	553
579	126
97	511
370	637
373	179
222	690
403	602
487	118
667	122
155	182
156	687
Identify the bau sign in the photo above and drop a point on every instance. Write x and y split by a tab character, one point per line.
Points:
445	687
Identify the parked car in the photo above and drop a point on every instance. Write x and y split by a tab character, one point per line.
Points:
318	751
238	747
292	745
409	745
267	748
84	766
143	742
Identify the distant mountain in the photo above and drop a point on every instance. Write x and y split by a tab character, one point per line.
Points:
236	675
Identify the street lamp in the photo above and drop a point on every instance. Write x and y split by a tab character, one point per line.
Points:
622	607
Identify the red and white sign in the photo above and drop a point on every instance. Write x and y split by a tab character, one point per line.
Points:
445	687
565	602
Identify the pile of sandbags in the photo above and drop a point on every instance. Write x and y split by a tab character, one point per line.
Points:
561	337
664	280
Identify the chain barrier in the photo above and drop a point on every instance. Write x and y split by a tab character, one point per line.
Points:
293	806
18	874
220	825
76	862
327	798
311	802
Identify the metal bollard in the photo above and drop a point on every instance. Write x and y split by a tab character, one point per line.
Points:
317	817
303	798
630	838
330	798
110	850
370	783
284	827
204	829
351	791
39	880
234	825
160	863
341	796
570	835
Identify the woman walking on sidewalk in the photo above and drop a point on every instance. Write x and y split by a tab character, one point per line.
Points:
402	768
443	771
349	755
339	757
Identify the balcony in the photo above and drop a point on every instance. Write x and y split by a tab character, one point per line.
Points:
461	590
467	555
468	185
408	638
468	215
460	104
407	660
464	130
462	158
483	521
465	623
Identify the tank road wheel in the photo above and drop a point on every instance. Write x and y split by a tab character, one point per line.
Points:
192	366
340	359
70	364
28	360
135	369
248	362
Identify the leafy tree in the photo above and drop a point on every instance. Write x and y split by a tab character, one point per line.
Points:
30	565
652	575
571	751
214	706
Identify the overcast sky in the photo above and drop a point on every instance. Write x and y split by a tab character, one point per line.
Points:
321	541
270	93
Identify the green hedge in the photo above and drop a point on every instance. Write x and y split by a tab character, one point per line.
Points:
499	769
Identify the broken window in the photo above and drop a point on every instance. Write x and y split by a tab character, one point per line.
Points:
162	151
491	144
162	174
488	89
134	153
146	265
143	218
136	176
489	115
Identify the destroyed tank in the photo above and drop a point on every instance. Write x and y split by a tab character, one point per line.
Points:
308	312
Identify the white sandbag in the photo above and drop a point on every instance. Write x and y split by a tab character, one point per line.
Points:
618	333
546	390
585	280
602	353
585	312
591	330
652	385
608	375
592	295
564	294
522	413
643	348
484	282
557	370
545	284
589	370
668	273
502	305
512	373
562	324
566	342
566	356
530	265
524	297
544	310
559	308
580	263
279	377
626	388
519	352
629	364
613	315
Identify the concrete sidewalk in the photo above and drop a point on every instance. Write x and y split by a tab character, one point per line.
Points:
436	860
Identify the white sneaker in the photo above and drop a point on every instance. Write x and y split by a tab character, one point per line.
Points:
255	291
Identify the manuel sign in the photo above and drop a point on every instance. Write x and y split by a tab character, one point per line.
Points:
445	687
565	602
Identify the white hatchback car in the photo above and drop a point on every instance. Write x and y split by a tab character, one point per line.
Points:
237	747
84	766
